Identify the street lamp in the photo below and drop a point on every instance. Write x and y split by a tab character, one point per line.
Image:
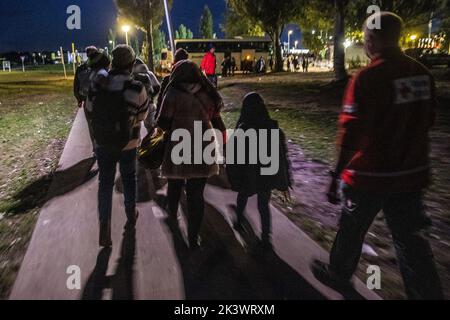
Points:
169	26
347	43
126	29
112	44
289	40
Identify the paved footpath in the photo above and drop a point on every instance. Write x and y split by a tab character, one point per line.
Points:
152	261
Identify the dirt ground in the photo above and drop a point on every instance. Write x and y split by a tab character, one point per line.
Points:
307	109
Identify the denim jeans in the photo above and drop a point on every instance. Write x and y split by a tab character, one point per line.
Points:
405	217
213	79
107	164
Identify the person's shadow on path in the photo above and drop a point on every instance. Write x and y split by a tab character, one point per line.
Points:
121	283
223	269
56	184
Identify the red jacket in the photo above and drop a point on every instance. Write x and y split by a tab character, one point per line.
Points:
208	64
387	114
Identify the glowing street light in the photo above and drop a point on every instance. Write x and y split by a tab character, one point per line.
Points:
289	40
347	43
112	44
126	29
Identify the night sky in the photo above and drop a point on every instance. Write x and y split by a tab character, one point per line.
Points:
30	25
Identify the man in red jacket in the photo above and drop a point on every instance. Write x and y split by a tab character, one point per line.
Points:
208	65
384	162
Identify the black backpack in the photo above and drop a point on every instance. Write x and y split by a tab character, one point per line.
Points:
112	121
84	80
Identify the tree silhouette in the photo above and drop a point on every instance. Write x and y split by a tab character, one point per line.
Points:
272	16
236	25
183	33
206	24
147	15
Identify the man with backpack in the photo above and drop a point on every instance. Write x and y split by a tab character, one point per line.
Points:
84	76
80	83
119	105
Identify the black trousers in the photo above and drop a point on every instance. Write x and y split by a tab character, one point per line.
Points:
264	211
406	219
195	189
89	122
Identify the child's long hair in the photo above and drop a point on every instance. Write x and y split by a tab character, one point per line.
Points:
254	111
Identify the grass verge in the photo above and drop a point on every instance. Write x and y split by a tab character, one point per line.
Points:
36	114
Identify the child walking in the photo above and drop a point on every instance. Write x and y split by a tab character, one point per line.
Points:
247	179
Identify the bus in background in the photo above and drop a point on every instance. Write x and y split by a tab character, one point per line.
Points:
242	50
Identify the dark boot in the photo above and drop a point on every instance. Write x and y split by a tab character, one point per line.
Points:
105	234
324	274
194	243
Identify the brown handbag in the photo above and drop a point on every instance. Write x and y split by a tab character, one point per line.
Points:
152	149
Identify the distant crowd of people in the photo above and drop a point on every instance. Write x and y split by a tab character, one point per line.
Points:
296	63
384	161
292	63
229	66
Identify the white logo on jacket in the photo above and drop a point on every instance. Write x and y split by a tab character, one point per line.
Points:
412	89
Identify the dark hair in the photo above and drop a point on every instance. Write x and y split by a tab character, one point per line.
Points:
180	55
91	51
124	57
391	27
100	61
254	110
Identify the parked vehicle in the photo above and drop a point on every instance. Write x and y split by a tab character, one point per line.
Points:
430	57
244	51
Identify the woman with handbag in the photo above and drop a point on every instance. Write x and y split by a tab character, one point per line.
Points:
189	98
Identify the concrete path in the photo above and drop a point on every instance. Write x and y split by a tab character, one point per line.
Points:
152	261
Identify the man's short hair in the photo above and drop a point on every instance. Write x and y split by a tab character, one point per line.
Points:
180	55
391	26
123	57
91	51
